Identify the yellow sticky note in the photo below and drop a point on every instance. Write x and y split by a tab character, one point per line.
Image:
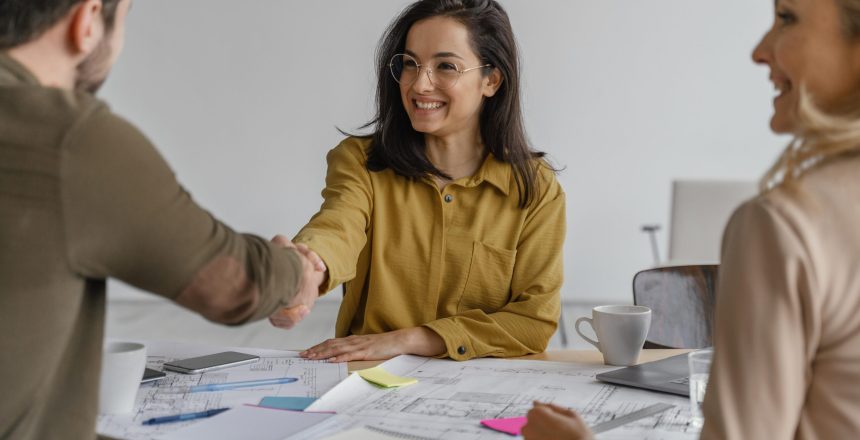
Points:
385	379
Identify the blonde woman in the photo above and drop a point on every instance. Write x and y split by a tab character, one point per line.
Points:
787	359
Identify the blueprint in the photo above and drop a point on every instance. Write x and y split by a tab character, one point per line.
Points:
170	395
451	398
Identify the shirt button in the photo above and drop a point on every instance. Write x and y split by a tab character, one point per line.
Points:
448	199
461	350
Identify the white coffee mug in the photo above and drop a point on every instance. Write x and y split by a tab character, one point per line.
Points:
620	330
122	369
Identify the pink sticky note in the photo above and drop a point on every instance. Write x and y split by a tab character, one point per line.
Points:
510	426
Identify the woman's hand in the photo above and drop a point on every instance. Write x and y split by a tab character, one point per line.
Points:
416	340
548	421
312	256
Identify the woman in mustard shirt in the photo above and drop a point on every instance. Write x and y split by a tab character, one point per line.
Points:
446	227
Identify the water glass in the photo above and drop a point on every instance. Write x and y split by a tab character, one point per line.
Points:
700	367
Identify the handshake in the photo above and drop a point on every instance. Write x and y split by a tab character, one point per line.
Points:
314	273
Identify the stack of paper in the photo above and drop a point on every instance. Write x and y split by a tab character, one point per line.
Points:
251	422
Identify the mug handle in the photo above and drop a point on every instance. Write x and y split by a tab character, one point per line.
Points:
590	323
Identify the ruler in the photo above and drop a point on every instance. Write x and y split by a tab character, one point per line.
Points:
648	411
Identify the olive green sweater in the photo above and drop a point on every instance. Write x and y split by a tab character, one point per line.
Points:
84	196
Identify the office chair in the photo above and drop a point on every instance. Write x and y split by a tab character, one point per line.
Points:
700	211
682	300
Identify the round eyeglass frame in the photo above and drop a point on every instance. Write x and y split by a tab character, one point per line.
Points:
429	72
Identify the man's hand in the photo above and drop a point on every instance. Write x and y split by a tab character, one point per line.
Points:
313	276
548	421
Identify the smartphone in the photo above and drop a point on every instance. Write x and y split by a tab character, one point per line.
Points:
211	362
150	375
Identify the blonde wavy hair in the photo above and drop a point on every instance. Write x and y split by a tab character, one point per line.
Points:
822	136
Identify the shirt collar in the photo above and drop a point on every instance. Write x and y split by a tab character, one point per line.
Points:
494	172
14	73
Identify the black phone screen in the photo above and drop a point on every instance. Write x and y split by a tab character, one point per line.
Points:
149	375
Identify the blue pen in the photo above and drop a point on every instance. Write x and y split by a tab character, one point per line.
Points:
244	384
181	417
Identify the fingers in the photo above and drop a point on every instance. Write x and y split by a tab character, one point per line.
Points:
553	409
360	355
549	421
351	347
327	349
312	256
303	249
538	424
287	318
317	348
563	411
282	241
574	424
309	289
313	276
538	411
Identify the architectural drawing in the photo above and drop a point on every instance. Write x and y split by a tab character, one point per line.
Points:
170	395
451	398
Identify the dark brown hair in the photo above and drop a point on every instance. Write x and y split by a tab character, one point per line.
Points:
396	145
24	20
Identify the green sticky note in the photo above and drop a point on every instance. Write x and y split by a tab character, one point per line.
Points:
385	379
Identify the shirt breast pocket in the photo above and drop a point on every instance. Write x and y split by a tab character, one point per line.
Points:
488	284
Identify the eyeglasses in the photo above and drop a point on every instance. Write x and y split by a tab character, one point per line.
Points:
405	69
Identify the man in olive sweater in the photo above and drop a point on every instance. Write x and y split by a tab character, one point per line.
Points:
84	196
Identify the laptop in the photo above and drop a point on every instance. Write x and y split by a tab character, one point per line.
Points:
670	375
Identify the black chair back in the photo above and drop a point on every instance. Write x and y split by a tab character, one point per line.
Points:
682	304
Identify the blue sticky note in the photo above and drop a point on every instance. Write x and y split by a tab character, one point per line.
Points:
291	403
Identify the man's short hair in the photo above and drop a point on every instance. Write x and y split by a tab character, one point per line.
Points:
24	20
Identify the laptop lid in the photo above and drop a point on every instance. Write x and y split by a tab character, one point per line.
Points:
670	375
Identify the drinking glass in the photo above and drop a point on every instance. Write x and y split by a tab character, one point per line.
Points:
700	367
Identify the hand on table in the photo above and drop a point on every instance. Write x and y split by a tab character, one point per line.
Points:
416	340
313	276
548	421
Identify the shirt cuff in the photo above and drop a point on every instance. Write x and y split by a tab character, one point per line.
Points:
284	282
457	341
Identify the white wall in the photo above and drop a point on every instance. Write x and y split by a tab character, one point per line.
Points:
242	98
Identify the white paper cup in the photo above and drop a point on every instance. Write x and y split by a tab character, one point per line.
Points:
122	369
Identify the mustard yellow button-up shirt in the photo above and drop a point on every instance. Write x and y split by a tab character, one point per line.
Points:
466	262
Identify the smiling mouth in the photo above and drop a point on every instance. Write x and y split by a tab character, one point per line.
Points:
782	88
428	105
